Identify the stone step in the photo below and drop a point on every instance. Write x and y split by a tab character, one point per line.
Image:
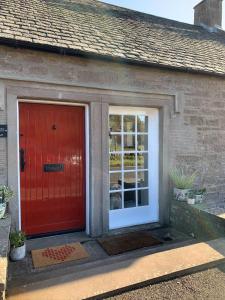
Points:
122	275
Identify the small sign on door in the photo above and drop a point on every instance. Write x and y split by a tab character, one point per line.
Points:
3	130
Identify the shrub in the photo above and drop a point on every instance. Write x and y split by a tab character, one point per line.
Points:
181	180
17	239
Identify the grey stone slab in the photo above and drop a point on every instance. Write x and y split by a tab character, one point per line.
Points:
121	275
22	272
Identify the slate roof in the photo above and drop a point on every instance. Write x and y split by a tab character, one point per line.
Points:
94	28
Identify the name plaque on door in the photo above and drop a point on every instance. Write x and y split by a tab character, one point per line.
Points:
3	130
53	167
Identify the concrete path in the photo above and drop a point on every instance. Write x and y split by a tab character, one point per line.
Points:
118	276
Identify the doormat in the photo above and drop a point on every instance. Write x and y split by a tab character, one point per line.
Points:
57	255
114	245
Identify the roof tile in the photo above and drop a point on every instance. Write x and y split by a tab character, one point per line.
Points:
96	27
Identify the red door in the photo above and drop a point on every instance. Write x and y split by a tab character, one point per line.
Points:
52	167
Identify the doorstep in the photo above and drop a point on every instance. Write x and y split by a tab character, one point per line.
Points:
119	275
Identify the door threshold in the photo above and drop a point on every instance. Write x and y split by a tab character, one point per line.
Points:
148	226
49	234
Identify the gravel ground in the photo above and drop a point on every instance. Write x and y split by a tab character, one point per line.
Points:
209	284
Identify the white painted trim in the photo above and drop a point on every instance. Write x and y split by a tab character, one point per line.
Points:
86	152
18	165
144	214
87	163
54	102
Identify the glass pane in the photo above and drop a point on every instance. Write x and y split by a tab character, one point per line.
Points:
129	123
129	199
115	181
115	143
115	162
142	142
142	160
143	179
129	180
129	142
115	200
142	123
115	123
142	197
129	161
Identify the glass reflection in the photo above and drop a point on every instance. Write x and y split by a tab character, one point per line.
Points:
115	200
129	199
142	142
143	197
115	181
142	160
129	142
142	123
115	143
129	180
115	123
129	161
143	179
115	162
129	123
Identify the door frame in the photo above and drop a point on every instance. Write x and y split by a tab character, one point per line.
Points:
87	204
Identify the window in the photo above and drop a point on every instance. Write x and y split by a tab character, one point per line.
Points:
128	160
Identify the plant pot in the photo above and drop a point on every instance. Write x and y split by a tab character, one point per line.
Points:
199	198
191	201
18	253
2	210
181	194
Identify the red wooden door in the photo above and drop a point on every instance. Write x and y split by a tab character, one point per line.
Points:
52	167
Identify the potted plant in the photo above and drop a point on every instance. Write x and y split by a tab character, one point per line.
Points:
199	195
183	183
5	195
17	244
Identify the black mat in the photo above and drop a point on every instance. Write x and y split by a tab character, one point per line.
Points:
127	242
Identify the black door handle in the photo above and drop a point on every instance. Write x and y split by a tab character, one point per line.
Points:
22	160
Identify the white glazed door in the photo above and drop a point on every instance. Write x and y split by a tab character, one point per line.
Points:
133	165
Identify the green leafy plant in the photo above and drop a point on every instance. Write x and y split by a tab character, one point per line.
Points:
17	239
182	180
5	193
200	191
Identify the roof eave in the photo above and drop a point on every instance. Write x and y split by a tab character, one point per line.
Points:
73	52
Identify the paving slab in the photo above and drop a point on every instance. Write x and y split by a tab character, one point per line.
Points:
123	274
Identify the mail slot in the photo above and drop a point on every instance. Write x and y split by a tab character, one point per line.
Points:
53	167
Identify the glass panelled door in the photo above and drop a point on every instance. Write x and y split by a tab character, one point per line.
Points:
133	165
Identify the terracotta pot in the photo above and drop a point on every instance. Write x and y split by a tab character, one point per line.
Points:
18	253
180	194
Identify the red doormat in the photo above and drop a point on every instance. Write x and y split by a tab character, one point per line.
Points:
127	242
57	255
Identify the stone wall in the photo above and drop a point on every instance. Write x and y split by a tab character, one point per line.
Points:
4	249
194	221
196	134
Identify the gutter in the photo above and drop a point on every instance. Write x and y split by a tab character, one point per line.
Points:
90	55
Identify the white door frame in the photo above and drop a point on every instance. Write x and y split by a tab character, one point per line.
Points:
126	217
87	204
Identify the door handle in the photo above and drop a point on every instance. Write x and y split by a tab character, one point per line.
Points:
22	160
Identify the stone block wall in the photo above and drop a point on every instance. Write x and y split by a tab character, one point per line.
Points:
196	134
4	249
195	222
